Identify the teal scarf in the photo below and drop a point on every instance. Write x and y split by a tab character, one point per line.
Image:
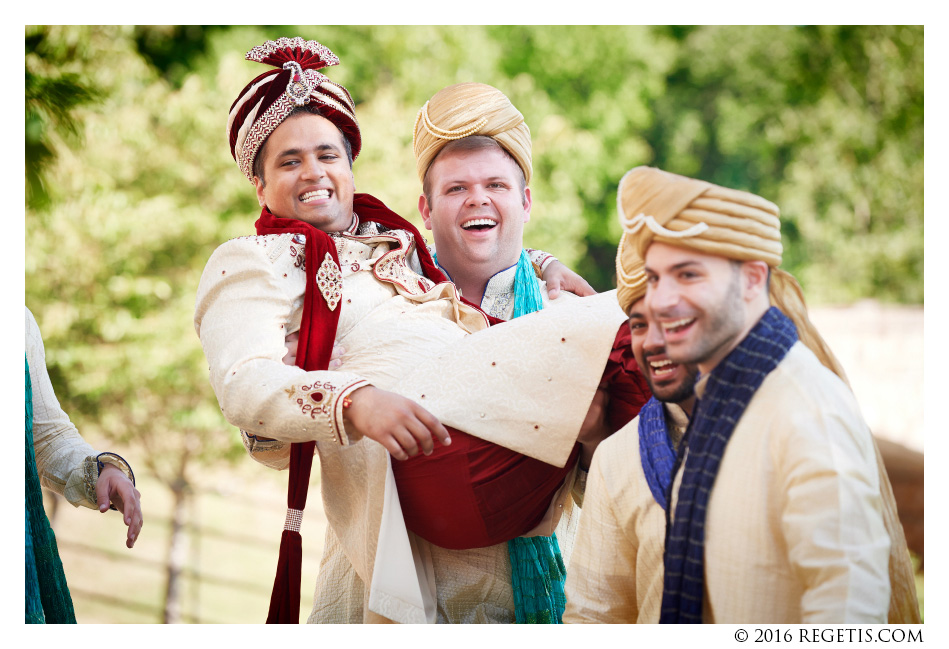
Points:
527	297
538	573
537	569
47	595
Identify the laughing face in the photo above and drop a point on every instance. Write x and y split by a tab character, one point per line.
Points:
477	210
306	174
669	381
696	300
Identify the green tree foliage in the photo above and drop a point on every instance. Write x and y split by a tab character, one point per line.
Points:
52	93
825	121
112	266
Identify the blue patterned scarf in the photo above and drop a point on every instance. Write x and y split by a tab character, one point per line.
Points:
47	595
731	386
656	451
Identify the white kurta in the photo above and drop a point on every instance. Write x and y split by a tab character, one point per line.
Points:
402	334
794	530
65	463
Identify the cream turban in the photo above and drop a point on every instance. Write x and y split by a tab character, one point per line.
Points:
630	276
656	205
470	109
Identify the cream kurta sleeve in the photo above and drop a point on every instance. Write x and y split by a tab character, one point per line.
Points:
64	461
243	313
615	574
831	516
794	531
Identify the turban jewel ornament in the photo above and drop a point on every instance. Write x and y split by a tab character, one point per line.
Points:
265	102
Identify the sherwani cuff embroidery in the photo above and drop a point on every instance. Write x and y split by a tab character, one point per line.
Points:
82	483
322	401
80	487
540	258
342	437
117	461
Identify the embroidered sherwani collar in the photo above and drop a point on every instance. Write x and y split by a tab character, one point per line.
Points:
501	283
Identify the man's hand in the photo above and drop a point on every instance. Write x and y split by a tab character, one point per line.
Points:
594	429
291	356
560	278
114	487
402	426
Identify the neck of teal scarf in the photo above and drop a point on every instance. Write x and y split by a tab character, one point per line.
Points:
538	573
527	295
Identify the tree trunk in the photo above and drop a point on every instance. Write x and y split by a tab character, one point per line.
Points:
176	554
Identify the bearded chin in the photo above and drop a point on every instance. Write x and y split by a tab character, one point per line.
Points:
675	394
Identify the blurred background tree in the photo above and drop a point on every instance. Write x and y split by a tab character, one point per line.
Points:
130	185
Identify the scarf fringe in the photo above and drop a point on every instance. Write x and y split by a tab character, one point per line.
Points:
538	575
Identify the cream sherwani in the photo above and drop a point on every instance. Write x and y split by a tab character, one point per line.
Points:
615	575
401	333
65	463
794	530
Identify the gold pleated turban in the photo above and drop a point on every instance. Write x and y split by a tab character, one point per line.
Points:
658	206
470	109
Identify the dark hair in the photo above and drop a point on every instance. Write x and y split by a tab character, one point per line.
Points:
467	144
313	110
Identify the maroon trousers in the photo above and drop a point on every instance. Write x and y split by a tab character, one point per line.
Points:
474	493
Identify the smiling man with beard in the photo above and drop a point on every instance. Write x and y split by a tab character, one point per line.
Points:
780	510
615	574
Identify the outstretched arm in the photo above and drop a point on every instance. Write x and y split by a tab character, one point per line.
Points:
403	427
243	309
114	488
65	462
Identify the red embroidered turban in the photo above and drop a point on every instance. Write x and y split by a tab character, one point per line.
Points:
266	101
